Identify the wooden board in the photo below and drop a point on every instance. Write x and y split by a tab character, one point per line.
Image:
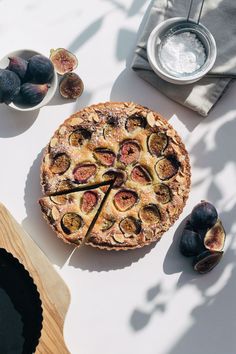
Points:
53	291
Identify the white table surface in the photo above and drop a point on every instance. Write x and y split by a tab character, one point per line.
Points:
142	301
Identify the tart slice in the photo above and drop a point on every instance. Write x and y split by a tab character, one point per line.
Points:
71	214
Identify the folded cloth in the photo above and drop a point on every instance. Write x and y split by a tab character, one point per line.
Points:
219	17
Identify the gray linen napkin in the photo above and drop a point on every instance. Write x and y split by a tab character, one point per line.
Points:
219	17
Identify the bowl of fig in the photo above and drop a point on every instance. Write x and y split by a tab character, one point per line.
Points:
28	80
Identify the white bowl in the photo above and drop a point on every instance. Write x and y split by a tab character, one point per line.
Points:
26	54
173	26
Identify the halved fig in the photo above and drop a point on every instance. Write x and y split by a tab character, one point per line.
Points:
113	133
60	163
167	167
59	199
88	201
163	193
215	237
150	214
78	137
83	172
118	175
141	175
130	225
129	152
71	86
206	261
125	199
112	120
63	60
190	243
157	143
105	156
107	223
64	185
203	216
134	122
71	223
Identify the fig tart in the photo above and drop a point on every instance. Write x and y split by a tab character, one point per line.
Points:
140	157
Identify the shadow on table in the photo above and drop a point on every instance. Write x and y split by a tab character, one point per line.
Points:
92	259
129	87
215	316
212	323
13	123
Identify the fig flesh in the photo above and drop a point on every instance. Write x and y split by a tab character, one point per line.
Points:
18	66
107	223
89	201
40	69
215	237
105	156
125	199
71	86
63	60
206	261
59	199
60	163
9	86
163	193
71	222
134	122
150	214
157	143
129	152
203	216
64	185
130	225
190	243
140	175
33	93
167	167
83	172
118	175
78	137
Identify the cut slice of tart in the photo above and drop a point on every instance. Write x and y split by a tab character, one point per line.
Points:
71	214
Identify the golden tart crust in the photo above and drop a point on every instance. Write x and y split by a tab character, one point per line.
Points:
142	150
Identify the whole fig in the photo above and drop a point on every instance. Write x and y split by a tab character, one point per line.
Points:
33	93
190	243
40	69
18	65
204	215
9	86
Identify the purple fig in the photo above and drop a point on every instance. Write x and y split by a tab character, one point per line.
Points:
40	69
9	86
18	65
190	243
33	93
203	216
